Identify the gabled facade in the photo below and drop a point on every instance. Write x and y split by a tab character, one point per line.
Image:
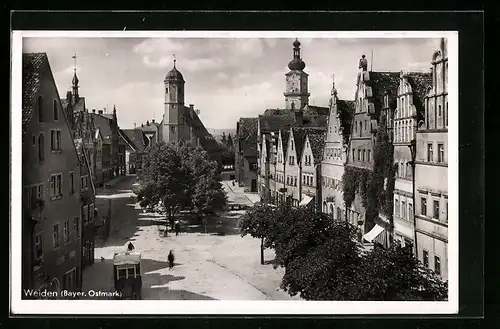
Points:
281	196
335	155
246	154
431	170
51	223
410	107
264	165
310	170
370	106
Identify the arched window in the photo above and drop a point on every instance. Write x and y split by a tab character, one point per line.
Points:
56	110
39	103
41	148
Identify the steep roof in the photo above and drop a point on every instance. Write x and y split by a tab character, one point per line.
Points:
274	122
317	142
382	82
299	136
78	106
346	109
104	124
207	141
285	136
136	137
33	64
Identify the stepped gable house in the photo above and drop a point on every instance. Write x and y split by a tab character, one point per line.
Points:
375	93
410	109
51	226
182	122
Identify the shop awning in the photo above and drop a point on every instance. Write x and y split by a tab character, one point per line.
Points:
305	200
374	233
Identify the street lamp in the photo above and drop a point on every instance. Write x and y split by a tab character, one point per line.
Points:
413	150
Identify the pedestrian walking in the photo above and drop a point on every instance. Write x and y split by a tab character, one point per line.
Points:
177	227
171	259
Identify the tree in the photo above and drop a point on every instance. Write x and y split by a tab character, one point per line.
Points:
257	222
323	261
209	196
173	177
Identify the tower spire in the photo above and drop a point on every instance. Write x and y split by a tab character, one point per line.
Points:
75	79
334	90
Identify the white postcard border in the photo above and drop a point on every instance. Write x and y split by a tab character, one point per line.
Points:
172	307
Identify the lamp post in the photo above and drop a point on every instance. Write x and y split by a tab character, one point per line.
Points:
413	149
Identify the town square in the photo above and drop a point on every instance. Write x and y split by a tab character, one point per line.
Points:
285	169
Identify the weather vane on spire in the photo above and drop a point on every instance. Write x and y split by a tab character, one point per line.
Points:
174	59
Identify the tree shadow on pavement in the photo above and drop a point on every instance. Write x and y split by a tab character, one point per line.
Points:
221	225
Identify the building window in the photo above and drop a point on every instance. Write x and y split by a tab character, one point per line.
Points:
403	210
369	155
364	152
423	205
41	148
55	140
353	152
172	129
66	231
430	154
410	211
71	183
426	258
85	217
33	140
55	185
437	265
439	110
396	207
38	246
56	111
435	212
359	155
291	144
446	115
440	153
84	182
355	126
446	215
76	227
41	117
55	235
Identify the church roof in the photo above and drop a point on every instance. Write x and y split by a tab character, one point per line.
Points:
33	64
175	75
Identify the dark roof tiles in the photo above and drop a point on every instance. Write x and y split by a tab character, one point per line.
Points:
33	64
317	142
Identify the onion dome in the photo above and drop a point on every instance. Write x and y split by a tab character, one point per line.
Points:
296	64
174	74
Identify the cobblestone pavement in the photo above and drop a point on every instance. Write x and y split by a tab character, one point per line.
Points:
207	266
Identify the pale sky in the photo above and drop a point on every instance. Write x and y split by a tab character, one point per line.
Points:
225	78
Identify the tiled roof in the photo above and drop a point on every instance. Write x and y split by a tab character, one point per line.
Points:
346	109
420	83
315	121
299	136
149	128
275	122
316	110
381	82
285	136
246	127
317	142
33	64
207	141
104	124
136	138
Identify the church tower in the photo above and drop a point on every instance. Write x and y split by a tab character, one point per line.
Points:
173	118
296	90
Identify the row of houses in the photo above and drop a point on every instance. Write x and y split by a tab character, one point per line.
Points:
326	158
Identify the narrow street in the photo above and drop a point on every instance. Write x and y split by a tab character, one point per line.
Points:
207	266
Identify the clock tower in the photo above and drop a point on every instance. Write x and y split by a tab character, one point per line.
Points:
296	90
173	118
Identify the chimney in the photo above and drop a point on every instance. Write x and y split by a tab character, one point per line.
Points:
100	111
147	123
191	106
153	120
299	118
135	125
93	110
